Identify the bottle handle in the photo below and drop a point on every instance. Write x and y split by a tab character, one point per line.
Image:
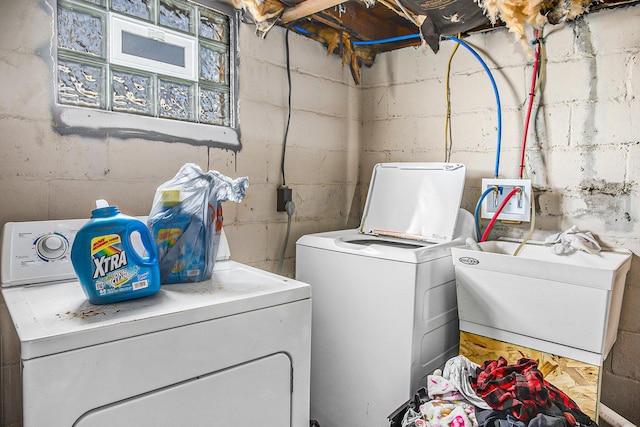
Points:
147	241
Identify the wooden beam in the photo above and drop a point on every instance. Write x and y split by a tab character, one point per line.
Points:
411	16
306	8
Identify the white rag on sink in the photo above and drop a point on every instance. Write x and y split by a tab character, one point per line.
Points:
571	240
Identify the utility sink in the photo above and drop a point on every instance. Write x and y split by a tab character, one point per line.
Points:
567	305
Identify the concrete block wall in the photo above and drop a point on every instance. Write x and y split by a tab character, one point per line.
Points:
45	175
583	156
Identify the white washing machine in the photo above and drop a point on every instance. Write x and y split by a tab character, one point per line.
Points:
384	296
230	351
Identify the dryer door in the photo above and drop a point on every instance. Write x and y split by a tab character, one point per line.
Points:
257	393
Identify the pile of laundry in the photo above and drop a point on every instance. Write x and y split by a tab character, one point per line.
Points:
494	394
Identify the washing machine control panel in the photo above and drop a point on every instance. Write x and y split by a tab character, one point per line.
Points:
38	251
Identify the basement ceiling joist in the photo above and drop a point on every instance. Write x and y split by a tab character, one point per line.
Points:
345	26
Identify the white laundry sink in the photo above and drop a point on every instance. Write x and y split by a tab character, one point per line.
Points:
567	305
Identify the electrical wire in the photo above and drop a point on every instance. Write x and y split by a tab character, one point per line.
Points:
290	207
409	17
532	94
497	95
476	214
448	137
531	228
286	132
497	213
541	77
388	40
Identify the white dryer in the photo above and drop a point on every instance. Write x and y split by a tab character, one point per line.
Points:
230	351
384	296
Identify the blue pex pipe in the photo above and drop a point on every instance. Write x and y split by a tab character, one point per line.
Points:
457	40
495	90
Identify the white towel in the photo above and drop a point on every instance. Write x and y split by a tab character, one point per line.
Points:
572	240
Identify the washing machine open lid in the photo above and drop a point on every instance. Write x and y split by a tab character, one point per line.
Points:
417	201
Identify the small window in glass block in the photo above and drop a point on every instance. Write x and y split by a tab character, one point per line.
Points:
214	26
178	16
81	31
80	84
214	64
139	8
214	107
131	93
176	100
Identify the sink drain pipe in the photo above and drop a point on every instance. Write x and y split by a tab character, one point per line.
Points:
612	417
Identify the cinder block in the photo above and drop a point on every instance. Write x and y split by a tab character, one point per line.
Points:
611	120
464	62
621	395
431	65
312	130
579	72
247	242
612	71
553	127
9	343
630	315
305	90
474	91
605	164
319	201
633	69
550	204
415	99
559	41
609	35
392	134
269	49
502	48
258	205
21	24
25	97
269	82
395	67
307	56
29	199
136	200
261	123
467	131
374	104
154	161
564	168
624	361
311	166
11	395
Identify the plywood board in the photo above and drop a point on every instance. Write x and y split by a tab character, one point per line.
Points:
579	380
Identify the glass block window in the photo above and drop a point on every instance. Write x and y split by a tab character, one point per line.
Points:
161	59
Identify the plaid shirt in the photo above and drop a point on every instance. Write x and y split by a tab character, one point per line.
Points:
520	388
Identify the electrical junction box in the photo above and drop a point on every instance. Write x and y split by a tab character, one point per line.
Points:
518	208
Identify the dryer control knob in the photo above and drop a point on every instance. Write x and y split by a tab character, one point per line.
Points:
52	246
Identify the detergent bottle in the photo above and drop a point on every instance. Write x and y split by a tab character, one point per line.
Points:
110	268
179	237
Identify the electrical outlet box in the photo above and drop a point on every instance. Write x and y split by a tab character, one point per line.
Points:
283	195
518	208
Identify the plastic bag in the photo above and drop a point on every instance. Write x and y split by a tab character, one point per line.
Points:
186	221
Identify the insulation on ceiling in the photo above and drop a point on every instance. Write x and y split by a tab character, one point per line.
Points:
446	17
516	14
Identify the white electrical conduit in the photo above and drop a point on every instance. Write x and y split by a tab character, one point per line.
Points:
613	418
409	17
